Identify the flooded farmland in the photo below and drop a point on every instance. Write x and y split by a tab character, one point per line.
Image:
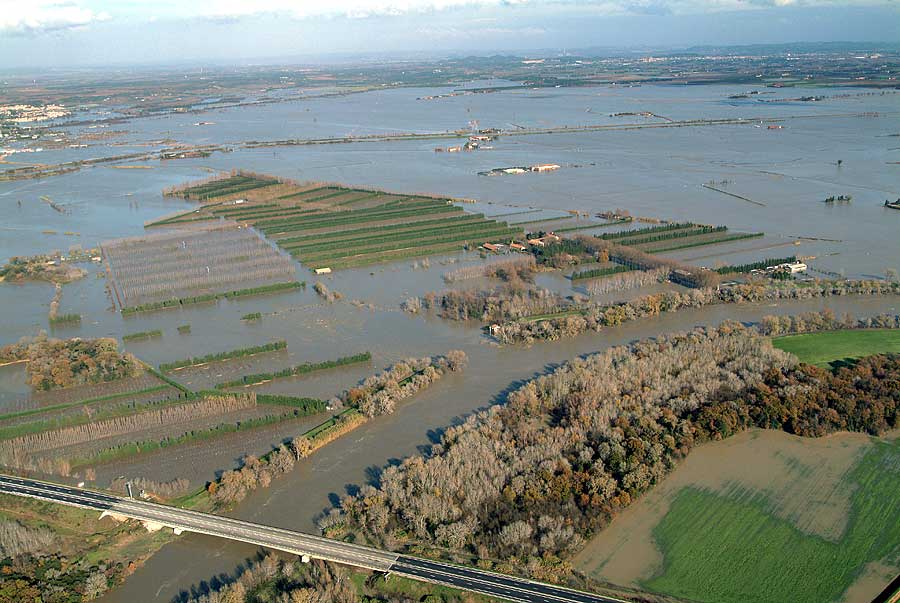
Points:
654	172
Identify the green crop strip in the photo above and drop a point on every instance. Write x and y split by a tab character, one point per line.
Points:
760	265
300	369
230	354
211	297
411	235
142	335
477	235
357	233
724	239
598	272
360	215
624	234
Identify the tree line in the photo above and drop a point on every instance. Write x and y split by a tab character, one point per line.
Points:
593	317
527	482
16	452
378	394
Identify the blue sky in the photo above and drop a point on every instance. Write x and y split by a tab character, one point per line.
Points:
44	33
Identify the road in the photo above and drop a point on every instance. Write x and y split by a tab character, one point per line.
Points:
183	520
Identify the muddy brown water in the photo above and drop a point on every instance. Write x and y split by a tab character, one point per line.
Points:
297	499
650	172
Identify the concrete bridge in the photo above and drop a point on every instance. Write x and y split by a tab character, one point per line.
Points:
156	516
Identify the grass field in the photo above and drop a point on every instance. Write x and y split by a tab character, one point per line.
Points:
734	548
828	347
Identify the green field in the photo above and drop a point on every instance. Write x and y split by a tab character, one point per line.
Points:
826	347
726	549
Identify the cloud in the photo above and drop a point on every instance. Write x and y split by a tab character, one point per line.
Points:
227	10
36	16
476	33
301	9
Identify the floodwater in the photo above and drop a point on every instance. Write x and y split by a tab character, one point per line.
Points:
655	172
296	500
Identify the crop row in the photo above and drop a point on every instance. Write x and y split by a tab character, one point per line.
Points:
227	192
293	371
410	235
625	234
234	188
331	236
598	272
55	422
228	355
59	319
195	435
183	220
66	405
354	217
672	234
217	184
492	231
229	210
366	214
214	183
209	297
305	406
365	197
713	241
760	265
394	205
279	213
122	425
305	192
388	256
273	268
142	335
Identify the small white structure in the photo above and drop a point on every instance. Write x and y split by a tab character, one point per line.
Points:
323	270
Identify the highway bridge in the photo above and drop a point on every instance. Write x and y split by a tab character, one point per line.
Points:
157	516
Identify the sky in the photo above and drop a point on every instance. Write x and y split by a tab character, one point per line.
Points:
71	33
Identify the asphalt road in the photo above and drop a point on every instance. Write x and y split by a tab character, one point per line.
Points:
425	570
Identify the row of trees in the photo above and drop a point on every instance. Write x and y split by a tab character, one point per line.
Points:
825	320
379	394
633	279
16	452
56	363
519	268
277	580
490	305
18	539
528	481
593	317
376	395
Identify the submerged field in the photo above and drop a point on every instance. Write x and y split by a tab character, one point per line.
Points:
805	521
827	347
